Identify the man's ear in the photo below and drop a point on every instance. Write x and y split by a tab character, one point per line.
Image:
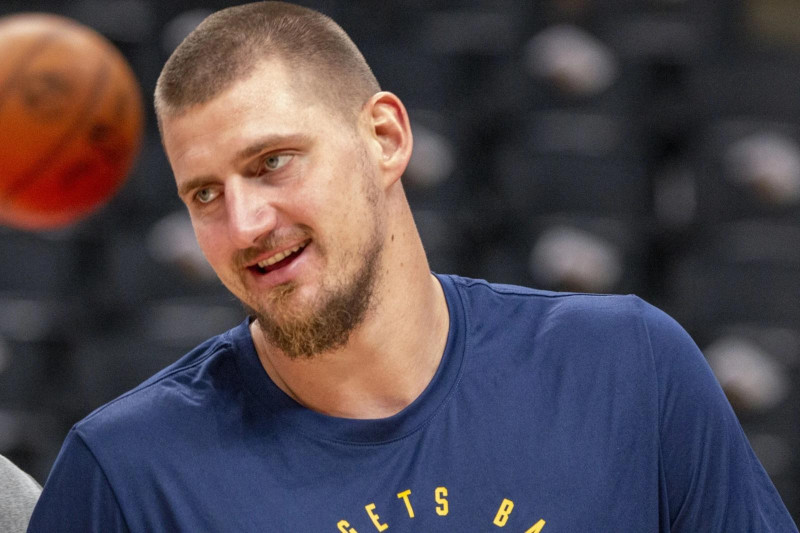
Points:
390	133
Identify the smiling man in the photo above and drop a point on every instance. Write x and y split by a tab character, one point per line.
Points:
290	216
363	392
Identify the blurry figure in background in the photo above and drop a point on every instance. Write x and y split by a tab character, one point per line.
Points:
18	495
572	60
575	260
363	391
769	164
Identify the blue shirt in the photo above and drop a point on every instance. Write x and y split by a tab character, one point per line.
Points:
549	412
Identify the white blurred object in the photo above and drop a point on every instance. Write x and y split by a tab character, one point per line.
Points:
575	259
433	159
769	162
171	240
572	59
751	377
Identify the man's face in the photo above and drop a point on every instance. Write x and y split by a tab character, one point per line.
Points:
286	205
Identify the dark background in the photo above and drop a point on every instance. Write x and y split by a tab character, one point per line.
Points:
606	146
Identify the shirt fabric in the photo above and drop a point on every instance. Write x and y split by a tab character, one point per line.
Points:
18	495
549	412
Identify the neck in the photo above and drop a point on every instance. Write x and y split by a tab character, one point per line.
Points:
389	358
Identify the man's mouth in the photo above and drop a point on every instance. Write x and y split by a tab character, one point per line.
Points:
279	260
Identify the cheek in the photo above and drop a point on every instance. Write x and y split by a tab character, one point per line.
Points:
212	246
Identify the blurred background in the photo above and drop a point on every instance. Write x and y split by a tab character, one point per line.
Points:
633	146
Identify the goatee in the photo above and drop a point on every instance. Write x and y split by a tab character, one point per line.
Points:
337	311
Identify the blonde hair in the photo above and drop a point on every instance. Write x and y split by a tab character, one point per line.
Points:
228	45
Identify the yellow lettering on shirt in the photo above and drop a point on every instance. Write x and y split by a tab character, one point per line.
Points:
443	508
537	527
503	513
404	496
343	526
375	518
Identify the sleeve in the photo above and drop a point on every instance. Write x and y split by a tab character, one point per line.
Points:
18	495
77	495
710	478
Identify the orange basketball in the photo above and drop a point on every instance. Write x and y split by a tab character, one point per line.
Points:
70	120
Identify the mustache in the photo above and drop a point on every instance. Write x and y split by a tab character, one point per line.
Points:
272	241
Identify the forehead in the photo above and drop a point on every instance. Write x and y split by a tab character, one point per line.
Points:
273	100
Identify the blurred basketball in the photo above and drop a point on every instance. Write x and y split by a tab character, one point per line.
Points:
70	120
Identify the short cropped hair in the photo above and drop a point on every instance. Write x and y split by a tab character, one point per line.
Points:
229	44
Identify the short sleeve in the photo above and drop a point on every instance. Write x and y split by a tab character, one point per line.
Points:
711	479
77	495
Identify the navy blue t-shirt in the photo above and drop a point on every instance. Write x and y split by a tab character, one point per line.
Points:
549	412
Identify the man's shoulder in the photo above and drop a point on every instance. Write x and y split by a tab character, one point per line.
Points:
18	495
13	479
483	295
166	395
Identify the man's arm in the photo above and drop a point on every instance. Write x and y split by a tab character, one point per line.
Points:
712	480
77	495
18	495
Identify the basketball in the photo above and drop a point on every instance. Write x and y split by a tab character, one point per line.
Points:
70	121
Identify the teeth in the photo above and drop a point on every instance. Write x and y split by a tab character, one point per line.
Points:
280	256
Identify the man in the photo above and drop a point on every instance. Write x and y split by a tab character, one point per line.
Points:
365	393
18	495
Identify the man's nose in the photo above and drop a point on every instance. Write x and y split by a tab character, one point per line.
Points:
250	213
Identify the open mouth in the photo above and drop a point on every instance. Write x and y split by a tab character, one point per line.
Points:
279	260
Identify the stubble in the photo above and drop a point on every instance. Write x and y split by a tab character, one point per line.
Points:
339	307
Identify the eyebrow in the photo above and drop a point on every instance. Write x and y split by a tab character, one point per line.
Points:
194	183
247	152
269	141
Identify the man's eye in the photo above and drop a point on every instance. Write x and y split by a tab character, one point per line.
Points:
204	196
274	162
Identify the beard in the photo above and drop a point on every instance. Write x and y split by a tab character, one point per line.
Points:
334	314
303	332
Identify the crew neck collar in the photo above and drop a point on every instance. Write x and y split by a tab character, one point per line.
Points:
358	431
